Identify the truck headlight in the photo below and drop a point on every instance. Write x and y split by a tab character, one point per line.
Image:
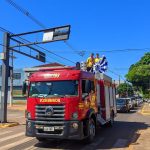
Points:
75	125
75	115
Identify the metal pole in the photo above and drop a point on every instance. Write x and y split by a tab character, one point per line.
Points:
119	79
11	80
5	76
127	89
119	84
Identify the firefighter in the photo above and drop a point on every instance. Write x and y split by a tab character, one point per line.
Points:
97	58
90	62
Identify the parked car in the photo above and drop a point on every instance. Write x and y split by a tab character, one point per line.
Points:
133	101
123	105
131	104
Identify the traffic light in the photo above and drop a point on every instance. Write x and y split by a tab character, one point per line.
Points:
41	56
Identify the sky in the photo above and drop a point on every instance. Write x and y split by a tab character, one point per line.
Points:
102	26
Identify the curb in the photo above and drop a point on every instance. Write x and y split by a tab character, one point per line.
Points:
5	125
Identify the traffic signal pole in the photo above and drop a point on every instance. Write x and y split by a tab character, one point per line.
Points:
5	76
49	35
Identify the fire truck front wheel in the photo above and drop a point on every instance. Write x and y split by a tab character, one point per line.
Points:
40	139
91	130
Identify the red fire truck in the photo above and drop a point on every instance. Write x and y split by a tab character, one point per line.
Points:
66	103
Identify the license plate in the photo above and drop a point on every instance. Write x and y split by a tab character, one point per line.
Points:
48	128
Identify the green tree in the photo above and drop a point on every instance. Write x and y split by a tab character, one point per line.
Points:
125	90
139	74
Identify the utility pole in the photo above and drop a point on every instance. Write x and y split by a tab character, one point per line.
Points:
119	79
11	79
5	76
119	84
127	89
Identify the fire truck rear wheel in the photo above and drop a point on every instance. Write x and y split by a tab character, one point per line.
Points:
111	122
91	130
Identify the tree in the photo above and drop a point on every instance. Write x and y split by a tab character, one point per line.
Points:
125	90
139	74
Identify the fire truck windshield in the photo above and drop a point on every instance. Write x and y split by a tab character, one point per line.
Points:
53	88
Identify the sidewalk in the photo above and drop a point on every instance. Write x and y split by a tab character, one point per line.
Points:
146	109
141	140
15	115
19	107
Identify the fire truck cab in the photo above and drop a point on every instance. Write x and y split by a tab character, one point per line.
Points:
67	103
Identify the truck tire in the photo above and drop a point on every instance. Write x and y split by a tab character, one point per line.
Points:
40	139
111	122
91	130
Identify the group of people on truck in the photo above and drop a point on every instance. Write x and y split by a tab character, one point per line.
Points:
91	61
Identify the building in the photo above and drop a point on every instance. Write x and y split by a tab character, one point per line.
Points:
20	75
29	71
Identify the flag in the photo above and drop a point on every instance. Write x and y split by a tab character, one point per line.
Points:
101	66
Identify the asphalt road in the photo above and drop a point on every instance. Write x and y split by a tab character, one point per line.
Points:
117	137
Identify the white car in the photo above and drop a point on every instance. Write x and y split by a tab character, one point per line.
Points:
132	102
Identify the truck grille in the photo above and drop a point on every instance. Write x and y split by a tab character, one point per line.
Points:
54	120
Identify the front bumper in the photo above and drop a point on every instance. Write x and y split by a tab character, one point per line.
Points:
67	132
122	109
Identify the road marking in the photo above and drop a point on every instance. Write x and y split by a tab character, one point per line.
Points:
16	116
145	110
11	137
30	148
94	144
11	145
20	117
5	132
120	143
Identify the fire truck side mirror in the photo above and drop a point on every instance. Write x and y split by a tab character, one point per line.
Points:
24	88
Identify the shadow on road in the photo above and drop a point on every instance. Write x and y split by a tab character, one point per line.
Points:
106	138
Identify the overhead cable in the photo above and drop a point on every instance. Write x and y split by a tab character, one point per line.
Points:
5	30
28	14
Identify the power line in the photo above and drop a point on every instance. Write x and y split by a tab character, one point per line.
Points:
126	50
28	14
25	12
4	46
108	69
5	30
116	74
73	62
81	53
110	51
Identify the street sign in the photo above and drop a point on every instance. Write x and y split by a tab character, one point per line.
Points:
2	56
56	34
48	36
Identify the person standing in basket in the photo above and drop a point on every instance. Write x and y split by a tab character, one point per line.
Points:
90	62
97	58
